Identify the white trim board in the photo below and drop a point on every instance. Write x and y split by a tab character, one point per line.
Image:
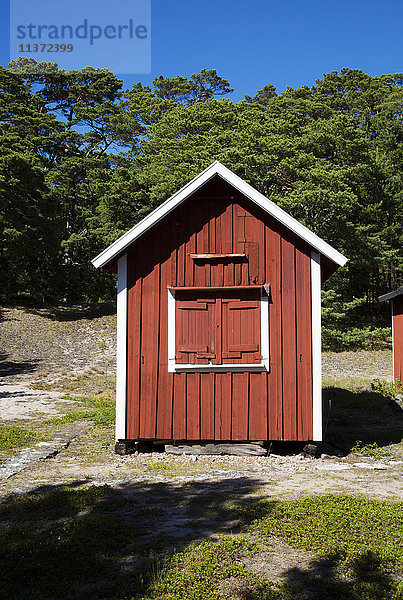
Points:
121	349
216	168
316	347
391	295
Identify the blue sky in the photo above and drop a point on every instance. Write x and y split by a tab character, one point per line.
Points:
251	44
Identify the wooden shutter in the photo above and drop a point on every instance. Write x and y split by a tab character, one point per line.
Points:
195	340
240	331
218	328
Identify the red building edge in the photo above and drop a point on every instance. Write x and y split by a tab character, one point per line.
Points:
396	299
218	318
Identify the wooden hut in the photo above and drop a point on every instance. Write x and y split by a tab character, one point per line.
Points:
219	326
397	330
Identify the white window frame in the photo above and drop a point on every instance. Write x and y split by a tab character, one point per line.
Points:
264	365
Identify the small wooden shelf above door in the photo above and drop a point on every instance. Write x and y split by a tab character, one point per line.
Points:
218	256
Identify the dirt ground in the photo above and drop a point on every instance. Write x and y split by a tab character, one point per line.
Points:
42	349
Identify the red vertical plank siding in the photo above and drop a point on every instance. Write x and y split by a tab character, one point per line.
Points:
201	271
165	379
179	407
206	239
193	406
238	240
133	347
304	345
181	220
398	337
258	429
207	385
150	342
227	245
190	248
258	401
217	267
289	340
223	405
240	406
275	376
223	393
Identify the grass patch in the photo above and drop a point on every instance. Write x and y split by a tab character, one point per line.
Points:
100	410
12	438
210	570
344	527
86	542
97	384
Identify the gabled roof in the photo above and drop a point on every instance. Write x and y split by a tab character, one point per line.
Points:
391	295
247	190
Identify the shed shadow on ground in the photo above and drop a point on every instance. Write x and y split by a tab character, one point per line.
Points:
98	542
75	312
350	416
14	367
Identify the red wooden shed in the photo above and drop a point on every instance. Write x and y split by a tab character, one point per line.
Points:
397	330
219	318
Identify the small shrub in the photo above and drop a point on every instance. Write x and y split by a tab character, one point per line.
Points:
372	450
387	388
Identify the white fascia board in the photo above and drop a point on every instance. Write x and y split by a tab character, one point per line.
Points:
154	217
283	217
391	295
247	190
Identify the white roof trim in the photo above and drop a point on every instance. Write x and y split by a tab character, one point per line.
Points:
391	295
216	168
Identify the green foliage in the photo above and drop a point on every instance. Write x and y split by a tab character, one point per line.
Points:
345	527
81	161
200	572
64	502
61	542
12	437
390	389
100	410
343	324
372	450
88	541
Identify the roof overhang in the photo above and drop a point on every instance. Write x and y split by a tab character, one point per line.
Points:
391	295
216	168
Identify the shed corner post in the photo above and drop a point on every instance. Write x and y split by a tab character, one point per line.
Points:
316	347
121	349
